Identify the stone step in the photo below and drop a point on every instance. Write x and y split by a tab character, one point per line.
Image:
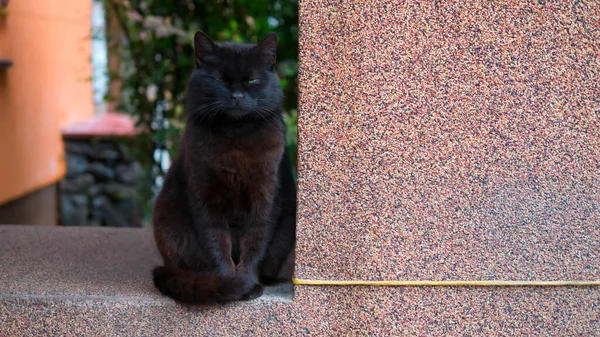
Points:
95	281
92	281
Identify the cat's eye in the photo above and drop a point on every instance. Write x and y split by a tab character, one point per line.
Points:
218	79
253	81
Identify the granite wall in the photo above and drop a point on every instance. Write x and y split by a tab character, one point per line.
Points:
451	141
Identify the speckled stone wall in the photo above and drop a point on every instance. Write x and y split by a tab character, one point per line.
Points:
449	140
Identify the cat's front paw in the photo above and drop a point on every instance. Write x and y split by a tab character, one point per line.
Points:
256	292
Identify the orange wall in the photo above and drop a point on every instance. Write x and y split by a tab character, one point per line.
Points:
47	88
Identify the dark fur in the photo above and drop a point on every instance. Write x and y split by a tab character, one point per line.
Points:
224	221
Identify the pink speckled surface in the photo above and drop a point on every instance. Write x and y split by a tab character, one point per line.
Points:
341	312
95	281
442	140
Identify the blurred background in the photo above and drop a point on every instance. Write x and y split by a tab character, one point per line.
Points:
92	96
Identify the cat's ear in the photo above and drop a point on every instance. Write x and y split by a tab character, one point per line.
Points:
268	49
203	46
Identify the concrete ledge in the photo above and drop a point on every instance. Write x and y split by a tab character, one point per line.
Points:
74	281
63	280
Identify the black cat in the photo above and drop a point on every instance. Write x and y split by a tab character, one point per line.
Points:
224	220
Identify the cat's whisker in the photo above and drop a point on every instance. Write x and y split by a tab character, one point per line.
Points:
266	114
204	106
208	111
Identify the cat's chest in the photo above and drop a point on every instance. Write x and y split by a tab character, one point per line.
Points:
238	162
237	170
249	158
240	181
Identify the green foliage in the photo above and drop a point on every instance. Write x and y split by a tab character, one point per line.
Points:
291	122
157	59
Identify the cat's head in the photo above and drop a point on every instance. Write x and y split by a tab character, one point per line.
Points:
234	80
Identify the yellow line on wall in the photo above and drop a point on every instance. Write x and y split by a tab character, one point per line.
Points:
458	283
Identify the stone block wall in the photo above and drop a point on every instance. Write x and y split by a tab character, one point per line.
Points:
100	186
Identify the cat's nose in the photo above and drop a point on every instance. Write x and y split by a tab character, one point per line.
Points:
237	95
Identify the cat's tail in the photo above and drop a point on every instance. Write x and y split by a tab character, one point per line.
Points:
191	287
